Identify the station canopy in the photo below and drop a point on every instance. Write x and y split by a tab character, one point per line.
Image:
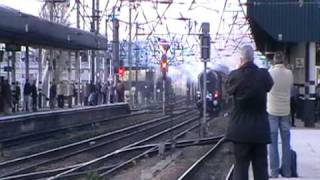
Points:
275	23
23	29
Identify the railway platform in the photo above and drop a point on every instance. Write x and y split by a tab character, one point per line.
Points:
305	142
23	114
22	124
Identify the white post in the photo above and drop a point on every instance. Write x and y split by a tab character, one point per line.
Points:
130	54
154	85
164	96
204	94
312	69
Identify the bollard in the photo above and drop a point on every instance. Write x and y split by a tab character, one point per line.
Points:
1	151
162	149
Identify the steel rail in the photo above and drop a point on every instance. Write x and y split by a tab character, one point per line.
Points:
146	151
102	158
187	174
168	146
44	134
230	173
78	147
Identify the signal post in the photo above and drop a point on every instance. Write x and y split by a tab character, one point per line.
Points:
164	70
205	56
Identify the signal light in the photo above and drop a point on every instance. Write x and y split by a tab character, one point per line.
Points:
121	71
164	63
216	94
164	66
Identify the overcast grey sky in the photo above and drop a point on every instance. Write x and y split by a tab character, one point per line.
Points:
202	11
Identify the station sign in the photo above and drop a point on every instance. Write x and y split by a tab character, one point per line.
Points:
57	1
299	63
1	55
7	68
12	47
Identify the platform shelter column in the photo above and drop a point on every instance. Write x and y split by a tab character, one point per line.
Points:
310	92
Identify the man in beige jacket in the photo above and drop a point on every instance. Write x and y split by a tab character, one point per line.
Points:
278	107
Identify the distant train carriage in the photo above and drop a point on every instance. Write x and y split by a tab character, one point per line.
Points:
215	95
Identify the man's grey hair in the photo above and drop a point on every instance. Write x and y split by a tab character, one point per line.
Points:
279	58
247	53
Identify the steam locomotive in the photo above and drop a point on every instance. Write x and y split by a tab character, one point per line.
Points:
215	94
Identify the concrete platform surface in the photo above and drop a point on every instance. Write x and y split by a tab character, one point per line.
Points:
307	145
42	111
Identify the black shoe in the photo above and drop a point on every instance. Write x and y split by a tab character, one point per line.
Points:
273	176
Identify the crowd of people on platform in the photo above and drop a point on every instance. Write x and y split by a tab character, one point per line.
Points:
61	95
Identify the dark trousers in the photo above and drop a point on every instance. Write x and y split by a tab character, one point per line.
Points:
292	110
60	101
85	102
250	153
34	103
52	102
69	101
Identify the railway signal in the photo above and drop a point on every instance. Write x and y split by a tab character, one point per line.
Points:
164	66
121	71
164	70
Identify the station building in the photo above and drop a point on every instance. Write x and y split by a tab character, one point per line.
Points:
293	27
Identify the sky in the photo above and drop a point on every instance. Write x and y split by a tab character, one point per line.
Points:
27	6
202	11
224	44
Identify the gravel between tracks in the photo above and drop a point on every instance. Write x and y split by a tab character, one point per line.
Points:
73	136
176	162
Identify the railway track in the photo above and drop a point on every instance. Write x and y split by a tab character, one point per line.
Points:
43	135
193	171
29	144
105	171
8	142
40	161
230	173
49	139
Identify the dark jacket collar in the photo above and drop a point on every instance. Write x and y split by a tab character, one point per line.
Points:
249	65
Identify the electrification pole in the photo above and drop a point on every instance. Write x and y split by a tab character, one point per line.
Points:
51	50
130	54
97	16
97	68
78	60
115	52
92	51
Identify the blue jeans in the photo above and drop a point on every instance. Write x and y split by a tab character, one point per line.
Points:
281	123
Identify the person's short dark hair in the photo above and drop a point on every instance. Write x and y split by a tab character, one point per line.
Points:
279	58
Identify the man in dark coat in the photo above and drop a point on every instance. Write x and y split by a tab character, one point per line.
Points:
34	95
18	95
248	128
53	95
26	94
1	94
120	91
7	98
